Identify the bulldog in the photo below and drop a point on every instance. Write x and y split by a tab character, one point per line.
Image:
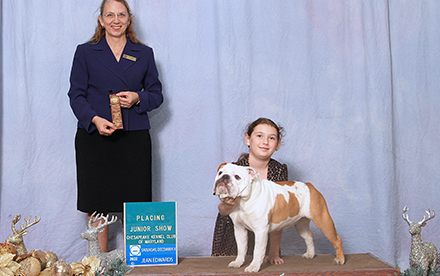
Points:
266	206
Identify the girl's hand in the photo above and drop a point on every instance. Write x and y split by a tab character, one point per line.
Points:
228	205
128	98
232	201
104	127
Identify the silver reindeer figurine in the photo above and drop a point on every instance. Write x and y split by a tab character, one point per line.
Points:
92	236
17	238
423	254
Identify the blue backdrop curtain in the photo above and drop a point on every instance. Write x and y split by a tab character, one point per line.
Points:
354	84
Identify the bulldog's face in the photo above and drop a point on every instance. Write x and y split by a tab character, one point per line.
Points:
232	180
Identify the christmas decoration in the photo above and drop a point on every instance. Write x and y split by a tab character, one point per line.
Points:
15	260
115	268
17	238
92	236
87	267
47	259
7	248
30	267
7	266
423	255
420	272
60	268
45	272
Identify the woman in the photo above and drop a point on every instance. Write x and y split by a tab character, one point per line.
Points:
263	137
113	159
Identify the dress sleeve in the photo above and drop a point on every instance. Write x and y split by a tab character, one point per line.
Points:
151	96
78	91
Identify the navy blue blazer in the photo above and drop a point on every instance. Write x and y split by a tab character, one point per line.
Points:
96	73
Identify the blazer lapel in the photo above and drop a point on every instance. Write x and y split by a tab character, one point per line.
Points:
130	56
104	54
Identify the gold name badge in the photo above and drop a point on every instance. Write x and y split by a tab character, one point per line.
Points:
128	57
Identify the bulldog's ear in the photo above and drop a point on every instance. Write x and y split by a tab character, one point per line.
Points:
222	165
252	172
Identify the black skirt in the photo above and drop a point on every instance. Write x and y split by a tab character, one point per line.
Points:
112	169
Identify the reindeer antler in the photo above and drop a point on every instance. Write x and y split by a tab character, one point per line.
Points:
23	228
430	216
405	215
423	221
103	220
94	218
14	222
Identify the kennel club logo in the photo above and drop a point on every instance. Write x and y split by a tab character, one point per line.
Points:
135	250
150	233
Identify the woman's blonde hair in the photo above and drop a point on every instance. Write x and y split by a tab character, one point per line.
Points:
100	31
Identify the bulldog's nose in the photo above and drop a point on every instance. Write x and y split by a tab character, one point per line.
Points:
225	177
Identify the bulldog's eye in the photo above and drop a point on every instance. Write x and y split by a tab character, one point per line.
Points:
220	173
237	177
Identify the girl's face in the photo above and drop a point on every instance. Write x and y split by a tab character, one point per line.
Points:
263	141
115	19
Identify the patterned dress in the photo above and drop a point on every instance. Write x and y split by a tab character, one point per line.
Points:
224	243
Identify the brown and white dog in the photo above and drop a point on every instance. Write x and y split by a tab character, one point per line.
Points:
267	206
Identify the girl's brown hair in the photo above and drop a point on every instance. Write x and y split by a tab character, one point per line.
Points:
266	121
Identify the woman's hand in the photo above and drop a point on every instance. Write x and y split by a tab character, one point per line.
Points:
104	127
228	205
128	98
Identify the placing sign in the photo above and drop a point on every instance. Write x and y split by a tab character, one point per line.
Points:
150	234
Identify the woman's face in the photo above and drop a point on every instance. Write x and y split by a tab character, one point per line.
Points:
115	19
263	141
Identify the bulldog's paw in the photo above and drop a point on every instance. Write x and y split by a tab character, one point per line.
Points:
308	255
235	264
339	261
252	268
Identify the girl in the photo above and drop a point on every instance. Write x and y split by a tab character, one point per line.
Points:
263	137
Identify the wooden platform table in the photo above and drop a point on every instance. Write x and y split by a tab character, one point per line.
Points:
356	264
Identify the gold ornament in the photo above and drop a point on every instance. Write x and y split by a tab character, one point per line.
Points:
30	267
47	259
7	266
51	258
78	269
60	268
45	272
41	256
7	248
87	267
